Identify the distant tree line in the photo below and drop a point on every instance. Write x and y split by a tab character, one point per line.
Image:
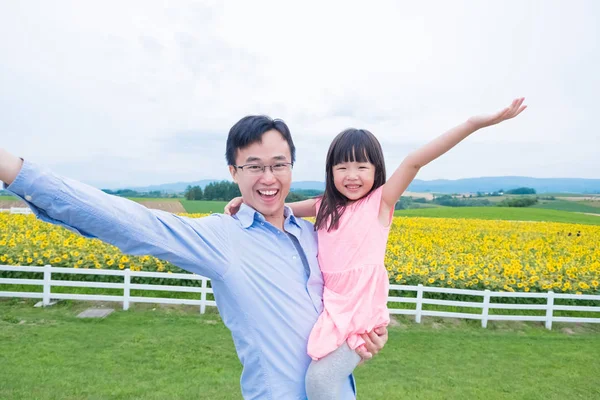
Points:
226	191
521	190
406	202
223	190
518	202
450	201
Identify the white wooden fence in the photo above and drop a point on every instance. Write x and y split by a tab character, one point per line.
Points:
486	305
47	282
419	300
17	210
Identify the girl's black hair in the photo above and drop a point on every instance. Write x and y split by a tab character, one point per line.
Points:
358	145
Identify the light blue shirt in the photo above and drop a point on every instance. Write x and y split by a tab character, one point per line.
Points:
267	283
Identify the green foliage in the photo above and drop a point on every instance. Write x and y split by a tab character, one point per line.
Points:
193	193
404	203
518	202
449	201
223	190
308	192
521	190
295	196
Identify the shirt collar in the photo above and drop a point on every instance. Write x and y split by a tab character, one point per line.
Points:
247	215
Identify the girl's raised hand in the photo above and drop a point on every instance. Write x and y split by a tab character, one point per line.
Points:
481	121
233	206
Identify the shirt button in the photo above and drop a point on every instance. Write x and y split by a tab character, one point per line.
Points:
28	198
294	257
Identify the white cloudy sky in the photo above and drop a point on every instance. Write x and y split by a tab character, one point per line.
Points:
121	93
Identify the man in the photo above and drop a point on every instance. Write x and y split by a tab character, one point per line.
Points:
262	262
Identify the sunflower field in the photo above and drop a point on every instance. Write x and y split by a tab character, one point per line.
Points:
443	252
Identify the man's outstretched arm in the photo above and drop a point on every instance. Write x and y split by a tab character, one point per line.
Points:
197	245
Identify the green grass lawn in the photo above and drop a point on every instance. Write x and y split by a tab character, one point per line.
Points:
203	206
591	203
559	194
8	198
415	206
502	213
172	352
565	205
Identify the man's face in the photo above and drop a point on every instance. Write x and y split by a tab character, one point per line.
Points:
265	192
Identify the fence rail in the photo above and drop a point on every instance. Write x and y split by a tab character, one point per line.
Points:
419	300
17	210
47	283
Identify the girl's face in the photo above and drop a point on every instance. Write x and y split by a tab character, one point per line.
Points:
354	179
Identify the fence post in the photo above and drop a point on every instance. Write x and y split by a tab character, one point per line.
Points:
549	309
47	279
203	296
126	289
486	308
419	305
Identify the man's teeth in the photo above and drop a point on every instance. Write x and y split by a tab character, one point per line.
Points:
268	192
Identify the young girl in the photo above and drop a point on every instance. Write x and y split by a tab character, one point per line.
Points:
353	219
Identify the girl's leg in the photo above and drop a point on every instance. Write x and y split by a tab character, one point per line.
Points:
325	377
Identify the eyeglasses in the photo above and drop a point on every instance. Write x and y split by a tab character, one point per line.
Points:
257	169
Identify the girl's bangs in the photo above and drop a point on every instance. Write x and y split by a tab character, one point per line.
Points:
352	147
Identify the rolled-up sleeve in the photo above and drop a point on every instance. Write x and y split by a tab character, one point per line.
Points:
198	245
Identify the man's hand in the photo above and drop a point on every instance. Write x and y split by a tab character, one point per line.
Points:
374	342
10	166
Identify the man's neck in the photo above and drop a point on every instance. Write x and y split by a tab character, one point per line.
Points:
276	221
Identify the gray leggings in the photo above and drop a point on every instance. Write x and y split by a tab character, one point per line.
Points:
326	377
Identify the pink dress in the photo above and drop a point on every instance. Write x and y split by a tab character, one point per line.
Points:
355	279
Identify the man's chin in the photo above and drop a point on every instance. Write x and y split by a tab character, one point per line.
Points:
268	210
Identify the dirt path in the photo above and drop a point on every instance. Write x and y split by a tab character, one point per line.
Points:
12	203
595	215
169	206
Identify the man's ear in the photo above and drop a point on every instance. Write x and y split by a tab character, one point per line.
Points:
233	172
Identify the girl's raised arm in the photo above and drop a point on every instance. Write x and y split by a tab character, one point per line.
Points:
409	167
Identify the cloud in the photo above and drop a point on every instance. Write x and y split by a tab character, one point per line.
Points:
152	89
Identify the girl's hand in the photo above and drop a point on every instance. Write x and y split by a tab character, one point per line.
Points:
481	121
233	206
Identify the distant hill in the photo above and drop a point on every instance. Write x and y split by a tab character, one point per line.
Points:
308	185
491	184
469	185
177	187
